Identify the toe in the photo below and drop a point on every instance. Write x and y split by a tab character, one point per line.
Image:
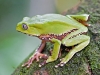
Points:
43	63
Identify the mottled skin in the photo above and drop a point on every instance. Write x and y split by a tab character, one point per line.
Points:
68	30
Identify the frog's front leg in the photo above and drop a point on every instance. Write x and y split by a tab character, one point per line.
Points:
80	41
36	55
55	52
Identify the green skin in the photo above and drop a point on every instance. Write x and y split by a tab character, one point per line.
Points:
67	30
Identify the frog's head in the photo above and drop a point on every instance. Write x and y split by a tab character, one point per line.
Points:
26	27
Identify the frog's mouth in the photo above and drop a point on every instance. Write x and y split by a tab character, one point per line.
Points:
28	34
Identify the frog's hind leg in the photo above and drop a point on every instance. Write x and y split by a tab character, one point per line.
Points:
81	18
80	41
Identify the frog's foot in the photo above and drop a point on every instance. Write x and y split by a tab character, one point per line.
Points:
43	63
36	57
60	64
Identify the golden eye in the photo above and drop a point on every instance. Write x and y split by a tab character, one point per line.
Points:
24	26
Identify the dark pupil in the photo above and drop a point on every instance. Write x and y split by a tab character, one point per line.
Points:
25	26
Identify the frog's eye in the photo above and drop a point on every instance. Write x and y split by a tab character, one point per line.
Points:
24	26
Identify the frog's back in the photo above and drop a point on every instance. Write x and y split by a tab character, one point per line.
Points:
49	22
57	18
49	18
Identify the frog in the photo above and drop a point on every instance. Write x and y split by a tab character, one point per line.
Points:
68	30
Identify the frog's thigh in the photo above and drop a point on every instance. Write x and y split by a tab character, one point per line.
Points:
82	41
81	17
55	51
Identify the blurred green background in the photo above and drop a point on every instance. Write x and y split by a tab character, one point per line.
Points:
15	46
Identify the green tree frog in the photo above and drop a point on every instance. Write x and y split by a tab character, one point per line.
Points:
69	30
